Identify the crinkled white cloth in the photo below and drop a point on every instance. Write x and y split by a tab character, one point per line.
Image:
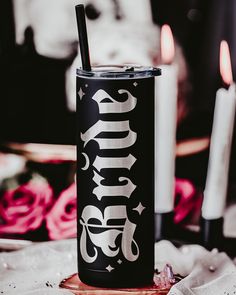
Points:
207	273
38	269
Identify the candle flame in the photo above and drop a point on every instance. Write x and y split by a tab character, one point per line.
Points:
225	63
167	45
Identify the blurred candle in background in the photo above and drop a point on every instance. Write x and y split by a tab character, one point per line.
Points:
165	125
221	138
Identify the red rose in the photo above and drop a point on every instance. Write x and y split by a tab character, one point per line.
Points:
188	202
24	208
62	218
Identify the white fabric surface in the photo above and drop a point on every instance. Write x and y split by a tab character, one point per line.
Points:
30	270
195	262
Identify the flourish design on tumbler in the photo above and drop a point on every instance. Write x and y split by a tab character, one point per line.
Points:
81	93
139	208
86	166
109	268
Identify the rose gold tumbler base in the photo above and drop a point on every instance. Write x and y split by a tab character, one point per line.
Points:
74	284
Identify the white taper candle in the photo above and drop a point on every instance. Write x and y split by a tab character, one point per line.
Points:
221	138
220	147
165	138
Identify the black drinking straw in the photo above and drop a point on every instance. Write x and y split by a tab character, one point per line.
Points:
83	37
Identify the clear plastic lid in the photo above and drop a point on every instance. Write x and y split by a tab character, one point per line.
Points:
119	71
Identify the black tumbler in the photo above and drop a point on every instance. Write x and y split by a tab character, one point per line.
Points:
115	177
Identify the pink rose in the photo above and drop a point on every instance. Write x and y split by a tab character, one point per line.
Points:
188	202
24	208
62	219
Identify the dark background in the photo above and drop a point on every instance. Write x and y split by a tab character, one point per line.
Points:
200	26
32	92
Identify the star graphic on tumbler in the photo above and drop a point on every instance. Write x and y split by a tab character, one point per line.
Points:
139	208
109	268
119	261
81	93
135	84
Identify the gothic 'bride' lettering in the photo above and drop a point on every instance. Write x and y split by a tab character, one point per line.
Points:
110	229
112	127
118	162
112	190
114	106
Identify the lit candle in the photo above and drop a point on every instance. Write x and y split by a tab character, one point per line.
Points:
221	138
165	125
